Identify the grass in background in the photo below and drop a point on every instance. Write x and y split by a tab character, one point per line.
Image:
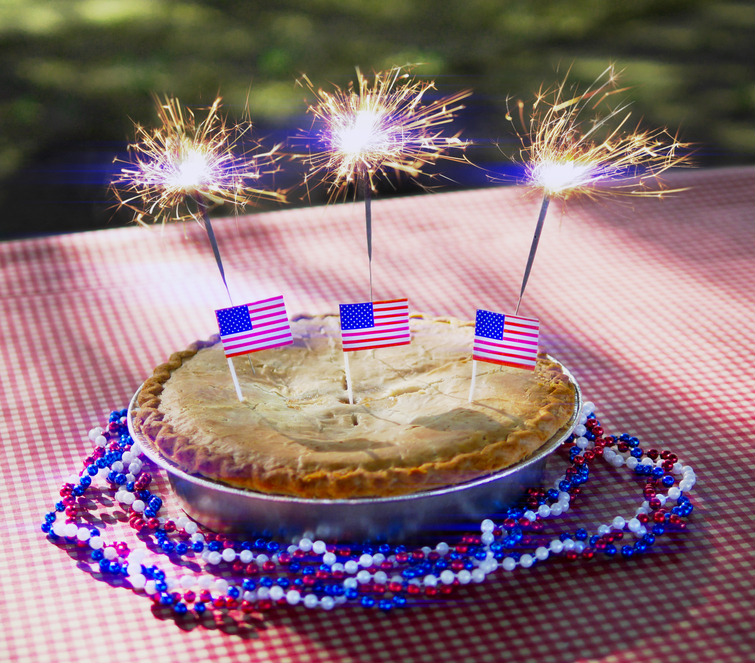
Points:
75	74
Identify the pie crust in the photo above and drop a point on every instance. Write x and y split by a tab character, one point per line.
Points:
295	433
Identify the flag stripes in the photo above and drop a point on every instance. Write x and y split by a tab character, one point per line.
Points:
252	327
371	325
508	340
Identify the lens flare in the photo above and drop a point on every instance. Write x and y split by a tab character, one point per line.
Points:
375	126
182	168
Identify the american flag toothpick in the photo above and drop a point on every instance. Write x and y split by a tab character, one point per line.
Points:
373	325
253	327
508	340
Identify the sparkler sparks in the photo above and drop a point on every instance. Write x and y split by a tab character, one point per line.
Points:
378	125
567	153
373	127
182	168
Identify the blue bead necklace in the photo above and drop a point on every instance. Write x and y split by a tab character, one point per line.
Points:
265	573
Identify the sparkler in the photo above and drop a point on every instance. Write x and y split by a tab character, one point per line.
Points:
182	169
376	126
567	153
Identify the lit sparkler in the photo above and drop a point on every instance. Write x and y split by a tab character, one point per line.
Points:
183	168
382	125
567	153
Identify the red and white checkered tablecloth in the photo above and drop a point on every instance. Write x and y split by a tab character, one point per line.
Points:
650	305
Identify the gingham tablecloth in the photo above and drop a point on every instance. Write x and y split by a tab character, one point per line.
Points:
650	305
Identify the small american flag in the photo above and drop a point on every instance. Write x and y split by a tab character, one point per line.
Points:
251	327
371	325
506	339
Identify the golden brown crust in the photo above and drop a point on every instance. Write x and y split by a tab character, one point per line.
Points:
471	441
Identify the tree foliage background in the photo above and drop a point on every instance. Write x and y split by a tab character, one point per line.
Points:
74	74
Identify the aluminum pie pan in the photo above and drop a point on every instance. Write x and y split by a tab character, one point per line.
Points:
416	517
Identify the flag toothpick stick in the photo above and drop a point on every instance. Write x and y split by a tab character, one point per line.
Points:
235	379
348	378
474	378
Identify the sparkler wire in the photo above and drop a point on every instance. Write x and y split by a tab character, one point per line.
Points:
533	248
568	153
368	223
213	242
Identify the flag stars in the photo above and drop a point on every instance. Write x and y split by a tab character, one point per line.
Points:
489	324
234	320
357	316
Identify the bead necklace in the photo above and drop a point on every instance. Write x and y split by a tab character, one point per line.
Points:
317	574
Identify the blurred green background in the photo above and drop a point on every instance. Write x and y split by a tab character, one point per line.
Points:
74	74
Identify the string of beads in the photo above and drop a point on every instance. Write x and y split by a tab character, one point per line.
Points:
265	573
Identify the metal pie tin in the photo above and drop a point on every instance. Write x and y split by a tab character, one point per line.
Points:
415	518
